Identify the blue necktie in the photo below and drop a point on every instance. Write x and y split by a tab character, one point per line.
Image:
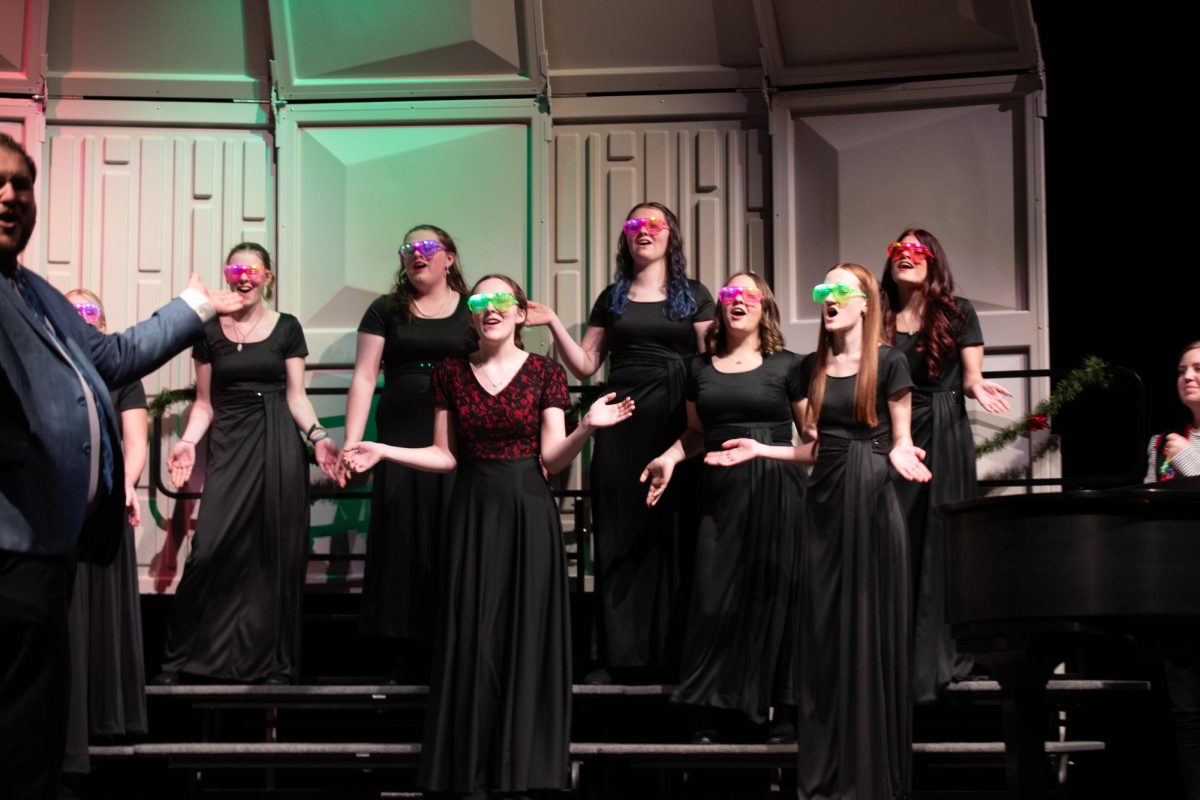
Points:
35	305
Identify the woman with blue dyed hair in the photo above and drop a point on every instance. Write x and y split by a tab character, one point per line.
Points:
650	322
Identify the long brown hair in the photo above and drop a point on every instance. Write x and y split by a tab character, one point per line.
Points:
400	300
936	337
522	303
770	338
868	360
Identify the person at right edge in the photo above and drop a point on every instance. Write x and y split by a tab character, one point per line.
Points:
939	334
62	492
1171	455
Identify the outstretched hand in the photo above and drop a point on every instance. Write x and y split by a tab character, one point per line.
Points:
224	301
539	314
361	456
991	396
733	451
907	458
133	509
604	413
658	472
328	457
180	462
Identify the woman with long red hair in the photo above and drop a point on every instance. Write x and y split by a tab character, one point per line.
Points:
854	730
940	335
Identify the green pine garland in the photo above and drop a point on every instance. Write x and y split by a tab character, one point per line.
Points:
1095	372
169	397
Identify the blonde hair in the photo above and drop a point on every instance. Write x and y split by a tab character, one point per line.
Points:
868	360
102	323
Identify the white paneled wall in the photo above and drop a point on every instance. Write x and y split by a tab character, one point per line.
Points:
712	175
131	212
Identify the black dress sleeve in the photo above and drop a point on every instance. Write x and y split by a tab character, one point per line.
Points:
374	321
796	378
691	389
893	371
601	312
554	385
969	333
294	345
129	398
202	350
440	383
705	307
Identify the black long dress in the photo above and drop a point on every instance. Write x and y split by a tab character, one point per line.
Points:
108	677
236	614
739	651
854	732
407	505
941	428
499	714
643	556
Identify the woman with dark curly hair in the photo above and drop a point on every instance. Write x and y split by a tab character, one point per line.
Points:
940	335
651	320
407	332
739	652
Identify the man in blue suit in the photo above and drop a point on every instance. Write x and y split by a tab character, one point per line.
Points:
59	453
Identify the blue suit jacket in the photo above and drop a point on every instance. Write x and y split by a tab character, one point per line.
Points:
44	433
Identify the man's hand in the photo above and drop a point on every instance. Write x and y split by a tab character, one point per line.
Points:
224	301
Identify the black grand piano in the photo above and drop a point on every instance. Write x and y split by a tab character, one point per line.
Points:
1032	577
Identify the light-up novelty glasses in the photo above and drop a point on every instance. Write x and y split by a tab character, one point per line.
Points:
425	248
253	273
501	301
840	292
89	311
729	294
653	225
912	249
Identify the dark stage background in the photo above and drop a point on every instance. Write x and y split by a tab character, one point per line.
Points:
1120	164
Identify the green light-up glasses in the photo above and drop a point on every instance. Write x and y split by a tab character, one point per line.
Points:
501	301
840	292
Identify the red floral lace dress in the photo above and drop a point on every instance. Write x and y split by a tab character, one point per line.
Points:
500	691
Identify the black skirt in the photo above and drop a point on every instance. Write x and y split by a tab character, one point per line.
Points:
408	509
236	614
643	555
854	731
500	693
939	426
743	624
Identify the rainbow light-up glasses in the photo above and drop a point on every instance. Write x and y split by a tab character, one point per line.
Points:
89	311
501	301
653	225
729	294
912	249
425	248
253	273
840	292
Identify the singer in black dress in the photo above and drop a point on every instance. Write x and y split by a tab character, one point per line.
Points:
739	650
939	334
649	324
498	717
854	729
236	613
108	681
406	333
